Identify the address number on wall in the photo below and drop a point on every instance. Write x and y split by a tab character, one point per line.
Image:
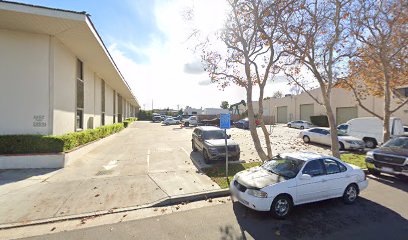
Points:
39	121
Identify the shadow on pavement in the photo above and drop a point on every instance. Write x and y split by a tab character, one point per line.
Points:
330	219
15	175
392	181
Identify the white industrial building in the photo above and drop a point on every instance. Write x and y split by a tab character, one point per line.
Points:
302	106
214	111
56	75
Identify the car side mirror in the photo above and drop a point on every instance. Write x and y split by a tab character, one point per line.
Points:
305	177
229	136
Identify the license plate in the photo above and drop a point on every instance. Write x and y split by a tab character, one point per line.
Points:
387	169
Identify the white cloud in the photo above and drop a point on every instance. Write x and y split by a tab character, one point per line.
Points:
162	77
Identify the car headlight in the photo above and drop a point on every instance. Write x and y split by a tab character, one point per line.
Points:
370	154
257	193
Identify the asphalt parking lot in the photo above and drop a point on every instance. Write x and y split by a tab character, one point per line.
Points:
380	213
163	154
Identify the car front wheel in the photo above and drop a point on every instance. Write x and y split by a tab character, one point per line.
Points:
302	127
206	157
306	139
281	207
374	172
350	194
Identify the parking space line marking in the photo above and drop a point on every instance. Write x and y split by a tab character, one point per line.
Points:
111	164
188	154
148	159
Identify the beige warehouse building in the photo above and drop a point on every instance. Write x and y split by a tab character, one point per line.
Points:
302	106
56	75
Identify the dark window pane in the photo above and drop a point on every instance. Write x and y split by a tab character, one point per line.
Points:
342	167
103	96
79	119
313	168
80	94
331	166
79	72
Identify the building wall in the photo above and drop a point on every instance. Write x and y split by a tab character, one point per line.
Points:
24	83
108	105
89	98
214	111
38	87
64	87
340	98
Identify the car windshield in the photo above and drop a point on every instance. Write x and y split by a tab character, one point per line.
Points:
286	167
397	143
217	134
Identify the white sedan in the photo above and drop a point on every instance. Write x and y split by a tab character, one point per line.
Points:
170	121
322	136
297	178
299	124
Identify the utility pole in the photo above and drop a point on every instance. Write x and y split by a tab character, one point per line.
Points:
152	105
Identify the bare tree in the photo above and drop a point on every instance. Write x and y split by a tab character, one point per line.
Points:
316	38
380	64
251	56
277	94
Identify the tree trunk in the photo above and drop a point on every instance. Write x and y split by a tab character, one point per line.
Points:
252	128
387	102
251	117
263	127
332	124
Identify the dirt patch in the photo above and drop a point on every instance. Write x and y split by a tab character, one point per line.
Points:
283	139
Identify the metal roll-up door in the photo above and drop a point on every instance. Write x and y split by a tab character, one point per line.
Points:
282	114
306	110
343	114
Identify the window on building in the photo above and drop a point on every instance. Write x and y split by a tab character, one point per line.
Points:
103	103
114	106
120	108
79	117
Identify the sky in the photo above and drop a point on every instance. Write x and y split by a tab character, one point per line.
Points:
149	41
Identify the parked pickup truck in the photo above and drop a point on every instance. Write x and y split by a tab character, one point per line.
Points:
391	158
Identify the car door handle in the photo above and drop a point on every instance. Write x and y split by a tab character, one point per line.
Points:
347	176
324	180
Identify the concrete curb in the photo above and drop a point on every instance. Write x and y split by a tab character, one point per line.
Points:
159	203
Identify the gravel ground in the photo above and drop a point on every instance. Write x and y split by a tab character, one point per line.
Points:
283	139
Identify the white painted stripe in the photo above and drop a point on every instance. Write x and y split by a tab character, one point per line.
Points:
112	164
188	154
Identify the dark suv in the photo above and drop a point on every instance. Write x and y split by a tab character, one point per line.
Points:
391	157
211	142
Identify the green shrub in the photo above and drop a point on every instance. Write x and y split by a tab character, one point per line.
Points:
24	144
127	121
145	115
20	144
320	121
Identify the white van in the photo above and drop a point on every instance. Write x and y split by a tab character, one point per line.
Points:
370	129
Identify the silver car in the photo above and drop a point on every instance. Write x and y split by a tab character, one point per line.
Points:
322	135
300	124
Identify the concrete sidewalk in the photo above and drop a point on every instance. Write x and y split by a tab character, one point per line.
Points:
145	163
